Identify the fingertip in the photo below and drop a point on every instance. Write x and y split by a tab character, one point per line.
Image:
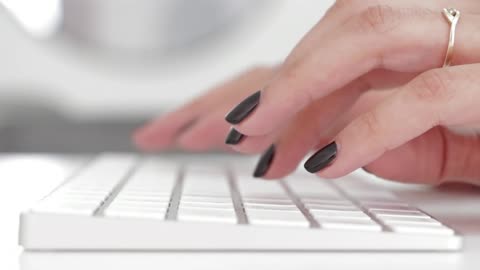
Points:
234	137
264	162
241	111
322	159
207	133
252	145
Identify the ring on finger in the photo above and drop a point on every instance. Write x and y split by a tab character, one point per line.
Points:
452	16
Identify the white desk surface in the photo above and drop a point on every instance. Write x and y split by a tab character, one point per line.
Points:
26	178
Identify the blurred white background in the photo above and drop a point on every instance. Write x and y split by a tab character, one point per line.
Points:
88	68
38	60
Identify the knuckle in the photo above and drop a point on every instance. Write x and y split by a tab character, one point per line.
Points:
434	85
378	18
290	77
353	5
342	4
345	7
370	123
369	126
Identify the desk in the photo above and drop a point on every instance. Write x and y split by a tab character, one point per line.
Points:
26	178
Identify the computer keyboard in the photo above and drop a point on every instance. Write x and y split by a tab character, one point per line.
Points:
123	202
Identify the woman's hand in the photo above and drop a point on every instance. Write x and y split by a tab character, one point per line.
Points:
200	125
320	97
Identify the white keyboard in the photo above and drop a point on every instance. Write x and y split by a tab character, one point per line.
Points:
122	202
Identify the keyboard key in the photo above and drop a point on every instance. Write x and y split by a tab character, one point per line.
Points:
312	188
349	224
406	218
392	208
356	187
270	206
250	187
340	211
129	192
278	201
323	200
87	190
206	198
276	217
318	206
207	215
339	215
135	213
396	213
205	182
140	198
422	229
431	222
139	204
215	205
381	203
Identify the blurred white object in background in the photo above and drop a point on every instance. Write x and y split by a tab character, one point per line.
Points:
145	25
39	18
86	82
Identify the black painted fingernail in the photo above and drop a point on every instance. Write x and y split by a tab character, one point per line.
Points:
242	110
264	162
234	137
322	158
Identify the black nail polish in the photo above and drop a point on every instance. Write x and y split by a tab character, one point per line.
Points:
264	162
234	137
322	158
242	110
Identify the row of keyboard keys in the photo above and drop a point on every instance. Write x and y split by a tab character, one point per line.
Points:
147	193
328	207
267	203
206	196
407	219
89	189
383	205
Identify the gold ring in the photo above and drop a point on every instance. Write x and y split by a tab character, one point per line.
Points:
452	15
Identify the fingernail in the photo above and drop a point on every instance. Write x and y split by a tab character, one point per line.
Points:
264	162
234	137
242	110
322	158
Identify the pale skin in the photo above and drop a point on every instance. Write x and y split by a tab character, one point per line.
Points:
369	77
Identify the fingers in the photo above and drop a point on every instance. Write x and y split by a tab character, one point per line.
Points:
407	40
319	122
164	132
442	97
303	136
206	134
306	130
